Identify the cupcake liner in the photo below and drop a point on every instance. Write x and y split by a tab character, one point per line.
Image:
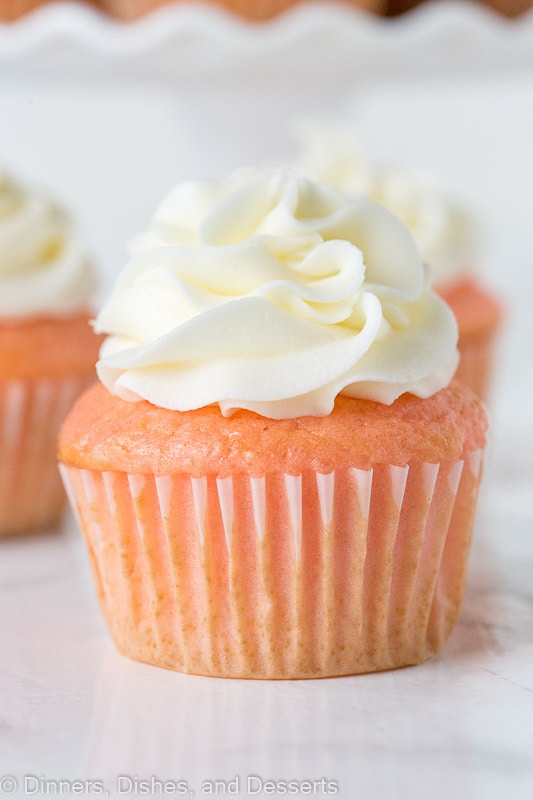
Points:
31	413
280	576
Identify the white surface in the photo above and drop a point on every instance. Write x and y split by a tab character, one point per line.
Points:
458	726
109	117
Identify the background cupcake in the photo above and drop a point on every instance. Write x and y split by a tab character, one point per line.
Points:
447	234
253	10
47	349
275	480
11	10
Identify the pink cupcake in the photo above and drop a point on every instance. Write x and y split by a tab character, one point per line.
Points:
47	350
275	478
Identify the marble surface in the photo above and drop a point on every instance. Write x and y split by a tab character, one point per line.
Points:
459	726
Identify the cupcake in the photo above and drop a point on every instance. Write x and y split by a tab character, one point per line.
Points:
11	10
251	10
275	477
508	8
447	236
47	350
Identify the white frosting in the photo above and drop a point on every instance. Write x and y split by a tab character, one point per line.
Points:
43	265
268	292
446	234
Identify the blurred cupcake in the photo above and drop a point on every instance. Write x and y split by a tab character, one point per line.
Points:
447	236
11	10
253	10
274	478
509	8
47	350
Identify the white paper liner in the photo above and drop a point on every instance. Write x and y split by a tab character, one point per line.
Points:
280	576
31	413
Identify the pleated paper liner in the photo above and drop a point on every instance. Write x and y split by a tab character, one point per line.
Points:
282	576
31	413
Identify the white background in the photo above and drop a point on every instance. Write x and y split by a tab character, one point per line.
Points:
108	118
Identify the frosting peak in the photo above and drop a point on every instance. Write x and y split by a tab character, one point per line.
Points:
43	265
266	291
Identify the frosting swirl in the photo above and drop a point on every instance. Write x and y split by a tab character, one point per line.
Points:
43	265
446	234
269	292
